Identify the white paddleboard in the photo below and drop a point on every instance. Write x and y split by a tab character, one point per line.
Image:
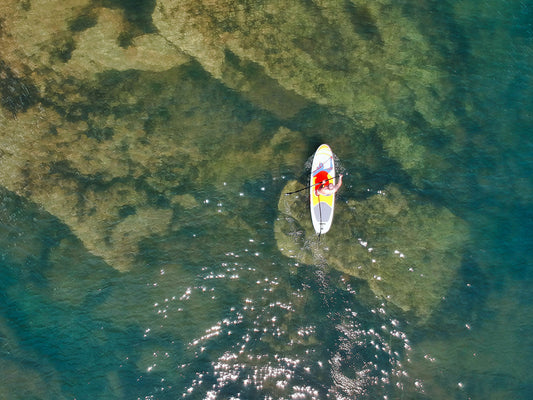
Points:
322	170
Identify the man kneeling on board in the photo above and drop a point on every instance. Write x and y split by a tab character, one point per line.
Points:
329	189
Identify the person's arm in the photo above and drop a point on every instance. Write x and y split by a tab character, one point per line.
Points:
339	183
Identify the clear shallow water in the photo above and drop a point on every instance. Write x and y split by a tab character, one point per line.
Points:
214	310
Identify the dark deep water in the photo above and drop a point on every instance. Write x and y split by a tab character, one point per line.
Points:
217	311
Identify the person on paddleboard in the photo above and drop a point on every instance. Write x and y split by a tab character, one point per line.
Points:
328	189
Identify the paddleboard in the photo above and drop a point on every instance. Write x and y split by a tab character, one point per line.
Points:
322	170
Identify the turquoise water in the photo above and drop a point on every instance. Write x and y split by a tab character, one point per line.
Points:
208	305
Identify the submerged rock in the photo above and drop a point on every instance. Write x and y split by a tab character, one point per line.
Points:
106	146
110	163
76	39
366	60
407	250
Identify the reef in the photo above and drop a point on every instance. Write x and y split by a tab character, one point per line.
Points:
406	249
112	179
366	60
118	140
105	137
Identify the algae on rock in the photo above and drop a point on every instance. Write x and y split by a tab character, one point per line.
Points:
77	40
366	60
408	251
101	141
101	164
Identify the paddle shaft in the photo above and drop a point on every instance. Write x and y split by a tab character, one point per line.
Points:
309	187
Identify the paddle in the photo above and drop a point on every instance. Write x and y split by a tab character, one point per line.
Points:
309	187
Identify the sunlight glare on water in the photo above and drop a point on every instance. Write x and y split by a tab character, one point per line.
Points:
267	344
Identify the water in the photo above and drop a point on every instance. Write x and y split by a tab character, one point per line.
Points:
140	252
